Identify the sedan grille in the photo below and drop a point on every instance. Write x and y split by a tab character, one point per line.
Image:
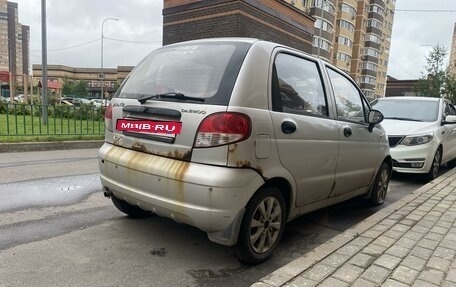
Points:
394	140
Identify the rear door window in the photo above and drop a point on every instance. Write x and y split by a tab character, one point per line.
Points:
297	86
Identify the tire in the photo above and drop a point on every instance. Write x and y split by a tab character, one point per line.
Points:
380	187
131	210
435	167
262	226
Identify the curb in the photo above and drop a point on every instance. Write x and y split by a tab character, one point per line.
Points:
286	273
46	146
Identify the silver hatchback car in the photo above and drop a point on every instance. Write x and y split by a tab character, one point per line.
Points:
237	137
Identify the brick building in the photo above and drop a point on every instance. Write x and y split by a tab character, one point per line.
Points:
354	35
400	88
274	20
58	73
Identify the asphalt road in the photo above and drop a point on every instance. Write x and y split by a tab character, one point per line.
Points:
57	229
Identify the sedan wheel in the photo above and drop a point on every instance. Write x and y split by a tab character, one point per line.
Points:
262	226
435	168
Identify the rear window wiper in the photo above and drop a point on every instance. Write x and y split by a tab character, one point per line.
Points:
172	95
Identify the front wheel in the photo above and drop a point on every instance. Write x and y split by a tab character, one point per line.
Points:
435	167
262	226
380	188
131	210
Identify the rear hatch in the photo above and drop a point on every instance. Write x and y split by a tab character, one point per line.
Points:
164	101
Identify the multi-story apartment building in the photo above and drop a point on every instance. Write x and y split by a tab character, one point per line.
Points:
4	54
354	35
14	42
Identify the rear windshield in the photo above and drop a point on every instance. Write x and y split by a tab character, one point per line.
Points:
205	71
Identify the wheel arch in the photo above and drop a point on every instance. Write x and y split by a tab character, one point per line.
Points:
285	189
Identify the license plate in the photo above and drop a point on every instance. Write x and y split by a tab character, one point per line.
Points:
164	128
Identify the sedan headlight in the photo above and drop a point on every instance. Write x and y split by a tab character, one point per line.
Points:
416	140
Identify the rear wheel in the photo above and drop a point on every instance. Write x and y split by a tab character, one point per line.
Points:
262	226
435	167
380	188
131	210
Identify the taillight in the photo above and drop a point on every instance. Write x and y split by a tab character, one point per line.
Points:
223	128
108	117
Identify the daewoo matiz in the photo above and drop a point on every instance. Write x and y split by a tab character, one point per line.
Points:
238	136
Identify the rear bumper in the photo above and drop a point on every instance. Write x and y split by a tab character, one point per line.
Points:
210	198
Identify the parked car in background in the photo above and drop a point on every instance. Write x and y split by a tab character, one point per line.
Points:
237	137
421	133
98	102
81	101
19	98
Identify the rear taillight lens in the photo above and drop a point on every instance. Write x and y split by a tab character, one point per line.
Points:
222	129
108	117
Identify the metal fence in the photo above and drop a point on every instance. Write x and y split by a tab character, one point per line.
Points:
26	120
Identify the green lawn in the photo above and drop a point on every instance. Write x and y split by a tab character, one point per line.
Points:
30	128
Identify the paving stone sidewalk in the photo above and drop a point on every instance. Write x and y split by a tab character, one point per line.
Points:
409	243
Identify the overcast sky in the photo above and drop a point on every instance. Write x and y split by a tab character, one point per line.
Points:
74	32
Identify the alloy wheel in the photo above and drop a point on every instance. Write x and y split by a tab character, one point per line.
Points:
436	164
383	185
265	225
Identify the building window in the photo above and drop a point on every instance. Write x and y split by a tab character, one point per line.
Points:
373	38
323	44
346	25
374	23
371	52
377	9
348	9
344	41
324	25
370	66
368	80
344	57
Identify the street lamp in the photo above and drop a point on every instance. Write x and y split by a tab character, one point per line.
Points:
102	72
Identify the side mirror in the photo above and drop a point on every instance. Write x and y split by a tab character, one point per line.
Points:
449	120
374	117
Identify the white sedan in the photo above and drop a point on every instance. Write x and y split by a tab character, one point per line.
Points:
421	133
98	102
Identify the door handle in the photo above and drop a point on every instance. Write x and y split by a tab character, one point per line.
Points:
288	127
347	132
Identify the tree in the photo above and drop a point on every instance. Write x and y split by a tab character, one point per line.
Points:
78	88
437	81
